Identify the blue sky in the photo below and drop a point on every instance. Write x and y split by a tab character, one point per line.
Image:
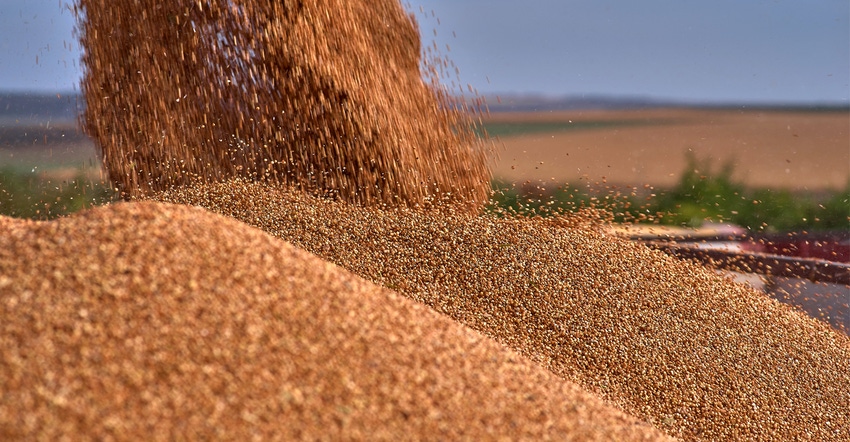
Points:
766	51
34	46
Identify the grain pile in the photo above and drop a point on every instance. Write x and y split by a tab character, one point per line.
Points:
177	316
670	342
149	321
324	95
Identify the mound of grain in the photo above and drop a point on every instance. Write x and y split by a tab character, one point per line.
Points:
325	95
151	321
668	341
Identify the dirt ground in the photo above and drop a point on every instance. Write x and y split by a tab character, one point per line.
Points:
794	150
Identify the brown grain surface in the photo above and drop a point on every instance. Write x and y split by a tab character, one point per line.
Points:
139	318
671	342
774	149
149	321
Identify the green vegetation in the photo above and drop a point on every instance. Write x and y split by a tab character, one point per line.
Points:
702	194
513	128
37	195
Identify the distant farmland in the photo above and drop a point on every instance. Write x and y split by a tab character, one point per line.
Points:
793	150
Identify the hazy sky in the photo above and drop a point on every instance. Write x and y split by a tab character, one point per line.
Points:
722	50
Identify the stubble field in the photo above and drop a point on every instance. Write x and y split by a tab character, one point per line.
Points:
793	150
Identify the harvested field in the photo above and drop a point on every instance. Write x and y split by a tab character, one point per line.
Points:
770	148
159	322
28	146
623	147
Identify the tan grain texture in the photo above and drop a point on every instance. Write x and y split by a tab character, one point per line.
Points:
769	148
143	319
671	342
149	321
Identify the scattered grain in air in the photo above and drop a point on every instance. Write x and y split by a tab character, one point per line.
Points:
286	104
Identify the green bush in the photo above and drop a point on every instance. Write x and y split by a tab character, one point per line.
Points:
702	194
38	196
